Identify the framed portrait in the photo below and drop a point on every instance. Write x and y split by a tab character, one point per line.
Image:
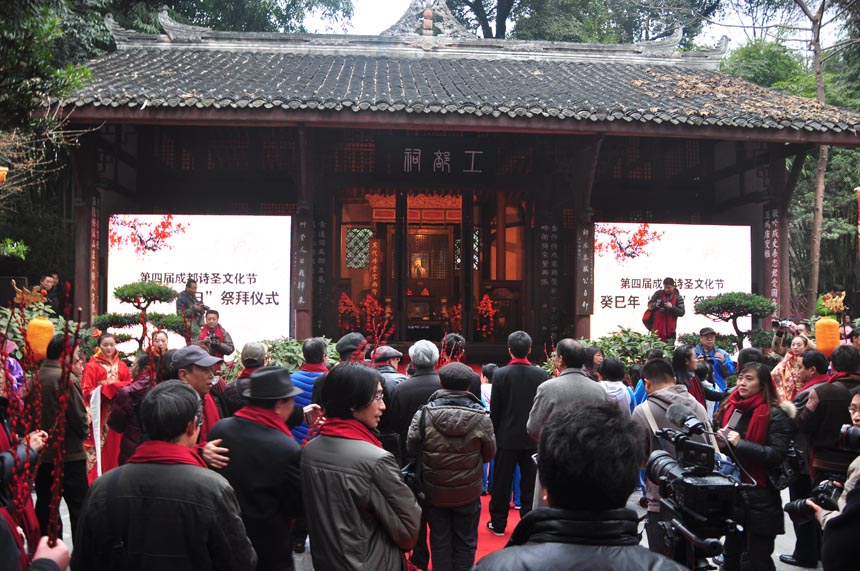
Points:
418	310
419	265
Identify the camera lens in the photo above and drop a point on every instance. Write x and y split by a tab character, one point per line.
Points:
849	437
798	511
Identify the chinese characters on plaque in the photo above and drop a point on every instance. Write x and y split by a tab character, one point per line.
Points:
585	263
771	254
302	261
549	268
375	255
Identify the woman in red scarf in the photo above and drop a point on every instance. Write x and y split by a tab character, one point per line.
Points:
107	371
759	438
360	514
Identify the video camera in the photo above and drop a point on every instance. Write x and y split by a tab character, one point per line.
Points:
826	494
698	499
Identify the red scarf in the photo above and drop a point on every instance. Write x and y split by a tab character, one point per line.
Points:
665	320
264	416
836	376
348	428
519	361
314	368
161	452
695	388
817	380
19	542
206	332
756	430
210	417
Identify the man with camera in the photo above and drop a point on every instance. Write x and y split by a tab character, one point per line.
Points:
781	342
821	420
666	306
588	461
188	306
651	416
840	550
719	360
215	338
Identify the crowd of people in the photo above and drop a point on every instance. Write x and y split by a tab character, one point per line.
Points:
373	465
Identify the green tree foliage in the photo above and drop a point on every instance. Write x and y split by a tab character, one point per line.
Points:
731	306
772	65
607	21
29	75
141	295
765	63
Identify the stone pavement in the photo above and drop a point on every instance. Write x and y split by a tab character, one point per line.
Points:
784	543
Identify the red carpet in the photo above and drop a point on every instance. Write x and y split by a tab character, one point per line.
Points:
487	541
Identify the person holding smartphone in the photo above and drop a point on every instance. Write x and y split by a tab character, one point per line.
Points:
756	425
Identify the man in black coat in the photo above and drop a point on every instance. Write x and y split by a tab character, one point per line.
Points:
589	465
264	466
514	389
413	393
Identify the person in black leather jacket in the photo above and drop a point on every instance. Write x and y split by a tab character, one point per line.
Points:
588	464
759	438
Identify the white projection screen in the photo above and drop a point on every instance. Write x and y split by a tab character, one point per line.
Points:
241	263
631	260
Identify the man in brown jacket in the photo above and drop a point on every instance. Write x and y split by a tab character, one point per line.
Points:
74	460
458	439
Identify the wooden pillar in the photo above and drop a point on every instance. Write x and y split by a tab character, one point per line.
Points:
301	292
401	264
584	280
467	248
501	235
87	215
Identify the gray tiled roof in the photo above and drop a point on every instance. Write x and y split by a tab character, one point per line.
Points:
228	72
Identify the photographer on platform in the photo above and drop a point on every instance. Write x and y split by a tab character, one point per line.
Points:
215	338
188	306
667	305
650	416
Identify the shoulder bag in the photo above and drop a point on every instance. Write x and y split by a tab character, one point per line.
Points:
413	472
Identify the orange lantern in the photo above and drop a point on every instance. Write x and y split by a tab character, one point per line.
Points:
826	335
40	331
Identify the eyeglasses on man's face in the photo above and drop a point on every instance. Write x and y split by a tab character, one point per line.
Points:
378	396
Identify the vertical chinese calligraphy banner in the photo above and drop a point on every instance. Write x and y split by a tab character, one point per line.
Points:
241	264
771	248
631	260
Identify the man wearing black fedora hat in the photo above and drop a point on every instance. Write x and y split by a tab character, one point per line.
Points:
264	466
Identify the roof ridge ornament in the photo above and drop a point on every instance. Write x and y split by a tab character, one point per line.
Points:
180	32
412	21
121	36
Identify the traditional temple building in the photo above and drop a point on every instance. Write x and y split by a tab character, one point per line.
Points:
429	167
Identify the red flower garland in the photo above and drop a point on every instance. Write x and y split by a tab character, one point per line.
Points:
486	314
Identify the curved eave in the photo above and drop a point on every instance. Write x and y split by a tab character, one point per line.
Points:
457	120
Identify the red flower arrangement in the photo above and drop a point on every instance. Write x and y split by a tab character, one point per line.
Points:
486	314
348	317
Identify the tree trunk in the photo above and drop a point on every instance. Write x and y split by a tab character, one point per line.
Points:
820	168
477	7
817	221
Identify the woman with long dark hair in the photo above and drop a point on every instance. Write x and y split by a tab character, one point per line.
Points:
593	359
684	363
359	512
756	424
